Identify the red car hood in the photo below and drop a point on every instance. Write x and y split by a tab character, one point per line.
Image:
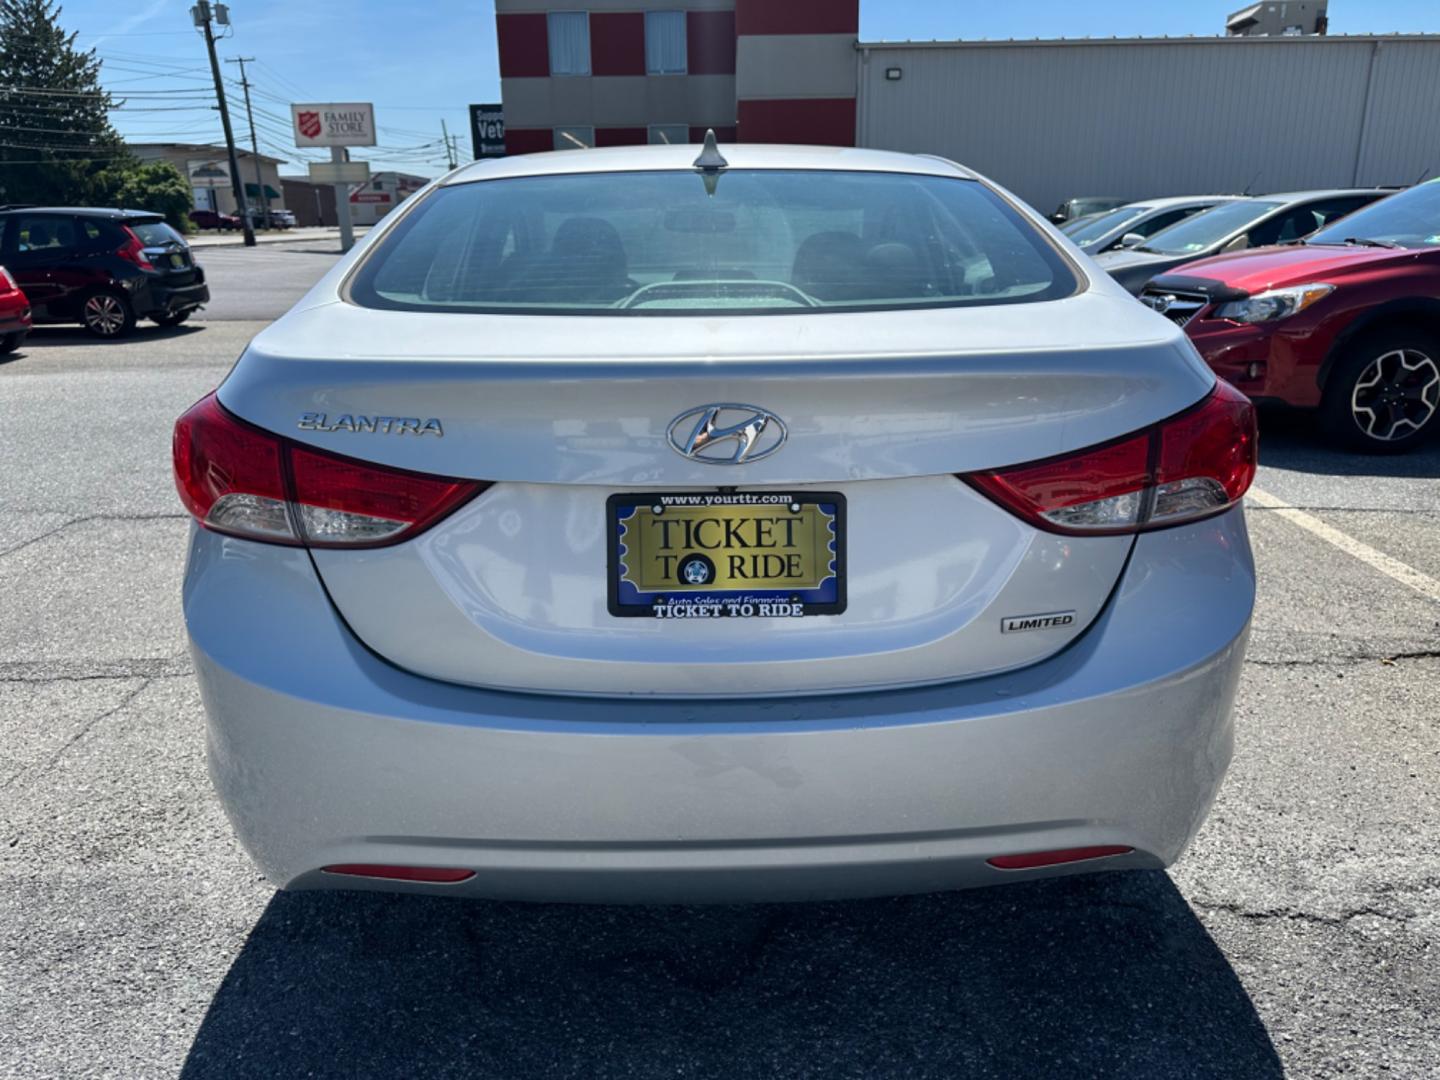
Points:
1268	268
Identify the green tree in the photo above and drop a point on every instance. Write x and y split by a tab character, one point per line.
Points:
56	140
151	185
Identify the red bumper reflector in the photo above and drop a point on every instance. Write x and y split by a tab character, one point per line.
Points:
438	874
1030	860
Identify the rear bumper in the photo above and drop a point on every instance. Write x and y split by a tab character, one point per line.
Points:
165	300
15	317
324	754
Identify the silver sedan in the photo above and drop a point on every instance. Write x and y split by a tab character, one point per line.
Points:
658	524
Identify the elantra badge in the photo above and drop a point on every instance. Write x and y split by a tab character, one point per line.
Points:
370	425
726	434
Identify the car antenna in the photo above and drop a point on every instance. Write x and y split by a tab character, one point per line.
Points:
711	162
1422	176
1252	182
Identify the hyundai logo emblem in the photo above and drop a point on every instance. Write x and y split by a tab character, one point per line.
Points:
726	434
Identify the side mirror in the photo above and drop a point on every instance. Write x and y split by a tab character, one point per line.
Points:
1132	239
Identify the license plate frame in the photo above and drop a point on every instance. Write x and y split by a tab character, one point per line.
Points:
628	598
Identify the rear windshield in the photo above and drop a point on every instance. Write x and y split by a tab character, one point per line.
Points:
1208	227
1410	219
155	233
663	243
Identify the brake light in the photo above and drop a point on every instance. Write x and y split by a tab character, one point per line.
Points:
133	250
7	283
1188	467
244	481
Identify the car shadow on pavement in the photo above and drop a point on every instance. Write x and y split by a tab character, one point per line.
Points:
1293	439
1101	975
43	337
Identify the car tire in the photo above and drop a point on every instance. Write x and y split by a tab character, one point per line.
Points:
1383	397
170	318
107	314
10	342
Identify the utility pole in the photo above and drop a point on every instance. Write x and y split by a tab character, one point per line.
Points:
254	142
449	149
202	13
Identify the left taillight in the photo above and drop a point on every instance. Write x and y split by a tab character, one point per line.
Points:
243	481
7	283
1188	467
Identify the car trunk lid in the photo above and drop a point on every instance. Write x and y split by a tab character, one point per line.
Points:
561	414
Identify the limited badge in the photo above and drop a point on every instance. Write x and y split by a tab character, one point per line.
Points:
1050	620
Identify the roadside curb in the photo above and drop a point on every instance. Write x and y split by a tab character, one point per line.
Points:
288	237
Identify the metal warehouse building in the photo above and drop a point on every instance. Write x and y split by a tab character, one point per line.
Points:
1143	117
1135	117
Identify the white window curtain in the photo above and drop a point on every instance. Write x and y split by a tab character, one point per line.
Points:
574	138
672	134
665	42
569	43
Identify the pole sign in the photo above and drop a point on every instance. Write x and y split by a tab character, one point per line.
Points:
208	172
339	172
487	130
351	124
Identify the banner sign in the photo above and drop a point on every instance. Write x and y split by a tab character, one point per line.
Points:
487	130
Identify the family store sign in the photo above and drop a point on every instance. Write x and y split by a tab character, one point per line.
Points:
348	124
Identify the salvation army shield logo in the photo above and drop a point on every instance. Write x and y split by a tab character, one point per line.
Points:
308	123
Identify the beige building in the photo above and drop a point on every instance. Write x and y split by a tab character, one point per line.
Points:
208	171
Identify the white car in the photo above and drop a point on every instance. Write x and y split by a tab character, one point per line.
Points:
1126	226
781	522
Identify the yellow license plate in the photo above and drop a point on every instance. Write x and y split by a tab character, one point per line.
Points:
726	554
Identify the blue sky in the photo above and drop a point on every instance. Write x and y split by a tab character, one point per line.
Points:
421	63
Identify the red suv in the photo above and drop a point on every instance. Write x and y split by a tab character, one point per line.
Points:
1346	320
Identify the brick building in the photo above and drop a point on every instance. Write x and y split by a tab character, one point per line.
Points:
618	72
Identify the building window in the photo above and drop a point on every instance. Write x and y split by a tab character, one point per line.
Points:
674	134
569	43
574	138
665	42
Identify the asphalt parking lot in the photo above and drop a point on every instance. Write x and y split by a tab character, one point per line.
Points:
1299	937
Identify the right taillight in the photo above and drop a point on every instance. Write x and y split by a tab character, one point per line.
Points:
244	481
133	250
1188	467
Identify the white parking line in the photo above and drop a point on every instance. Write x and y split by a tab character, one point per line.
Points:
1390	567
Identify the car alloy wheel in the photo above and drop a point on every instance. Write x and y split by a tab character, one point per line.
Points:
1396	394
105	314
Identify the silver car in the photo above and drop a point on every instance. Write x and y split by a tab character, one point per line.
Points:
772	523
1127	226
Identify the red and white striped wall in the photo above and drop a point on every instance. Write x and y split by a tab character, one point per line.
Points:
795	70
756	70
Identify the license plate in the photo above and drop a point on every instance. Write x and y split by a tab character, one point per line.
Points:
716	555
177	261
